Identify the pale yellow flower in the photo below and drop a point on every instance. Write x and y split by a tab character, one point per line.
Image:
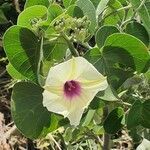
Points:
71	86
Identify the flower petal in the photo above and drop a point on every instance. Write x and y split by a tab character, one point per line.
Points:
59	74
55	103
78	106
90	78
72	109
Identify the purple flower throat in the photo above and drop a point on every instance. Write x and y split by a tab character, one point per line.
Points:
72	89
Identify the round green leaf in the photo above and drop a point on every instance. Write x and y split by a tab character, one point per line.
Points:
31	15
29	115
113	122
23	51
133	46
103	33
117	64
138	30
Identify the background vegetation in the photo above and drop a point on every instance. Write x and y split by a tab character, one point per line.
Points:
119	118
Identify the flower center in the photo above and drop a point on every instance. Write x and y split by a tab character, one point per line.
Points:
72	88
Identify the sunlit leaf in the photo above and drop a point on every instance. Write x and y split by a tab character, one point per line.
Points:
23	51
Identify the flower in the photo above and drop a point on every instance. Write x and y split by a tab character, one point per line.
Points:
71	86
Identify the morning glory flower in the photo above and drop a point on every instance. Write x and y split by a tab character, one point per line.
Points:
71	86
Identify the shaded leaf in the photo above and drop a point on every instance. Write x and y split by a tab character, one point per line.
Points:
112	124
138	30
134	116
29	115
133	46
102	34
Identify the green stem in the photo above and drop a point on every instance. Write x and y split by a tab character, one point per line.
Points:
116	11
70	45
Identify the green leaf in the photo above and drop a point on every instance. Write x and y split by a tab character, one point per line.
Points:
133	46
134	135
53	52
117	64
140	117
95	2
93	55
54	11
30	3
143	13
113	122
32	16
3	19
23	51
96	103
89	117
107	95
89	11
67	3
122	55
29	115
14	73
138	30
74	11
102	34
134	116
111	15
145	114
123	2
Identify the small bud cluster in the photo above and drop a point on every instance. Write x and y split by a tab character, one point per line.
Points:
35	22
75	28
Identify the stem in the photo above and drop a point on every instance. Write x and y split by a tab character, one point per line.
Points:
123	103
70	45
106	145
17	7
139	7
116	11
